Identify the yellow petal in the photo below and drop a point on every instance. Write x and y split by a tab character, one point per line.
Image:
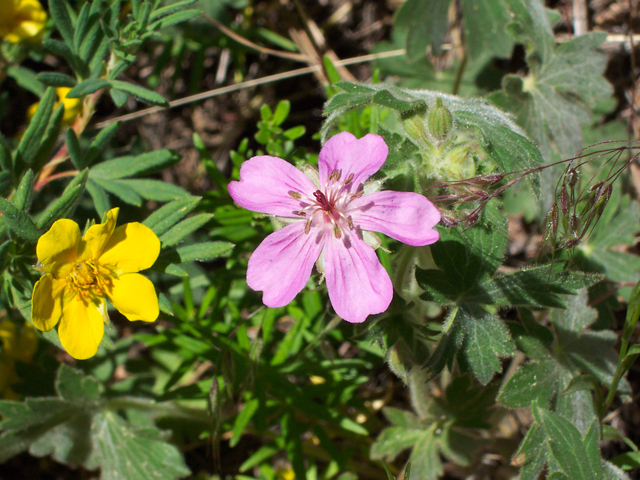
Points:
131	248
98	235
134	297
8	336
59	246
27	343
46	302
81	328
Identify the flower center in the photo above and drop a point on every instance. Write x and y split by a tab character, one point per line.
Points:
331	204
89	279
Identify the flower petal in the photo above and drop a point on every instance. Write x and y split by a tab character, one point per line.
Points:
98	235
405	216
131	248
282	263
81	328
135	297
46	302
358	284
360	157
265	183
59	246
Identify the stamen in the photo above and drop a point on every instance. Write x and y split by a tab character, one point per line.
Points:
335	175
349	179
350	222
300	213
336	230
295	195
307	227
358	194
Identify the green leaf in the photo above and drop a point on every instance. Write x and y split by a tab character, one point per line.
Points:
62	20
426	21
99	197
56	79
532	453
484	24
73	147
485	339
65	205
203	252
424	459
532	381
125	452
140	93
49	139
64	51
168	215
24	193
553	102
169	9
31	140
155	189
281	113
121	191
596	254
566	447
184	228
134	165
242	420
175	18
19	221
393	440
87	87
78	427
27	79
99	143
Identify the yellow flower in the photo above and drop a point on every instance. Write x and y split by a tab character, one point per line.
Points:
80	272
72	106
22	20
285	474
14	347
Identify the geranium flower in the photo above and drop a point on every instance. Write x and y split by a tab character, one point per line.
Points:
22	20
330	214
81	271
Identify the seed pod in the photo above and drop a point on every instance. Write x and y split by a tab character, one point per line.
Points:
575	224
448	221
439	120
553	218
572	177
564	200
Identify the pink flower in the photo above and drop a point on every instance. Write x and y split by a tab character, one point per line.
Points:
328	214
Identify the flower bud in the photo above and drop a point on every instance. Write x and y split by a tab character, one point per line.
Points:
439	120
413	124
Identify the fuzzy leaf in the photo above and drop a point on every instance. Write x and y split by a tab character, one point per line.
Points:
168	215
134	165
77	427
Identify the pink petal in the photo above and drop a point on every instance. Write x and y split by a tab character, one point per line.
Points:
346	153
405	216
358	284
265	183
282	263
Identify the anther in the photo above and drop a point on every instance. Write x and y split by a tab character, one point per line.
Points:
307	227
336	230
300	213
349	179
295	195
350	222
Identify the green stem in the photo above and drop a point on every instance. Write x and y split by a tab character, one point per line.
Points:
163	409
